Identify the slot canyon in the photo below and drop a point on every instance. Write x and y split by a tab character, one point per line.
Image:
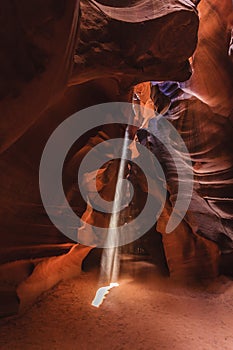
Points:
144	88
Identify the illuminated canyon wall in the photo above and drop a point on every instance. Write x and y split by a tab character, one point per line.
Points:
60	57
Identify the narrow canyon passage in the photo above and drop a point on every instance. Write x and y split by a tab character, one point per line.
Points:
116	167
145	312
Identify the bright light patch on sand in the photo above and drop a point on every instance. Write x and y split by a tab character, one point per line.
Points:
101	293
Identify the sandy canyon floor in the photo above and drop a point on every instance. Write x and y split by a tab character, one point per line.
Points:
146	312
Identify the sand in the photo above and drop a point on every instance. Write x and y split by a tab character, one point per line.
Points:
145	312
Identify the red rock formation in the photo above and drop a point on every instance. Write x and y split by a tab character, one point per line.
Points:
38	77
36	58
208	137
212	78
48	46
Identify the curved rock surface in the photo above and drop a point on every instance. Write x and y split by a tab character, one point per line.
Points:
50	46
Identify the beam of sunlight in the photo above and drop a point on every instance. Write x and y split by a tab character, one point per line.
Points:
110	261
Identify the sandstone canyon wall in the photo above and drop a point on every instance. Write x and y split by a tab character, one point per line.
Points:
60	57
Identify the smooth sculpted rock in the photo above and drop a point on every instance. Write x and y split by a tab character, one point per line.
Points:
42	40
37	40
135	42
50	272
